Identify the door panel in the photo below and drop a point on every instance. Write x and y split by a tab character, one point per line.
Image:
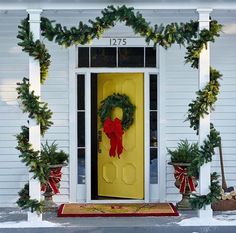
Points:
124	177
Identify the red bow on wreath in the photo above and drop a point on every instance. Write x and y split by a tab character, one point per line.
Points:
114	131
185	180
54	179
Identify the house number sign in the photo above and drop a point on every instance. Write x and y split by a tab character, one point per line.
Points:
118	41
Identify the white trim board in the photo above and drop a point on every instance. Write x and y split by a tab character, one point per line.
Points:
146	137
72	121
116	70
137	5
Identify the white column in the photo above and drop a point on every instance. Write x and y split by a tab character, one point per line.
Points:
204	128
34	128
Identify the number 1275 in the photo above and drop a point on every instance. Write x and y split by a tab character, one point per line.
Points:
118	41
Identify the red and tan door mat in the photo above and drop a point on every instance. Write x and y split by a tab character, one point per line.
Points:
117	210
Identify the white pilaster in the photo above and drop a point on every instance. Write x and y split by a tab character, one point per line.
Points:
162	124
204	128
72	119
34	128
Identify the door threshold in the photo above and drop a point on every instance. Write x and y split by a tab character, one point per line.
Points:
115	201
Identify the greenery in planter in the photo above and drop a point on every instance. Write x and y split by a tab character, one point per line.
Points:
49	155
52	156
181	159
184	153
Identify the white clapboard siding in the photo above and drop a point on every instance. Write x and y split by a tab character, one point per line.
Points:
181	84
56	93
13	67
223	57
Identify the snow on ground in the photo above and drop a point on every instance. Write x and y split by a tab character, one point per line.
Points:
26	224
225	219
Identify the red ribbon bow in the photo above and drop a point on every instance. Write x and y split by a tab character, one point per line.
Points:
54	179
114	131
185	180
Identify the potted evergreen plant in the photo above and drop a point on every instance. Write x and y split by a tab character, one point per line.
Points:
55	160
181	159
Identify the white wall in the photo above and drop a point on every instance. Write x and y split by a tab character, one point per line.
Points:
223	56
181	84
13	67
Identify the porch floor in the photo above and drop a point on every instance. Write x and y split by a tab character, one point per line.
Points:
112	225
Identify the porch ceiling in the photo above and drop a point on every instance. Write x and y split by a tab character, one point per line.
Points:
100	4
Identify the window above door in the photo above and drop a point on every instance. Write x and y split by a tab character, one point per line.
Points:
145	57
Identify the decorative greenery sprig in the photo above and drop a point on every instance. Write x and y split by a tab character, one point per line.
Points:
26	203
202	105
35	49
196	45
205	100
31	158
185	34
206	152
33	106
200	201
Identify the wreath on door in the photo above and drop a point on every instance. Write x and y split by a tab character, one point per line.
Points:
114	129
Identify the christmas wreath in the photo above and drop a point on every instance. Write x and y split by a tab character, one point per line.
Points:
114	129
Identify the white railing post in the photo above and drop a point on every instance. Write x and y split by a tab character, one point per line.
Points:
204	128
34	128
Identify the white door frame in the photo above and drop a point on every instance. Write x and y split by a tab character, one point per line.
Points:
84	190
87	72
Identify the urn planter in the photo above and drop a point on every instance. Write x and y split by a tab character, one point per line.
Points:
186	184
50	189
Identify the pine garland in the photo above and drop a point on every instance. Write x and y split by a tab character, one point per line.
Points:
180	33
25	202
199	202
31	158
36	109
185	34
205	100
35	49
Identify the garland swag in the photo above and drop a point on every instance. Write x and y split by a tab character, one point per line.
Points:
185	34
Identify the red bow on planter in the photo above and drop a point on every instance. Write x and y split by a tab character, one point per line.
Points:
185	180
54	179
114	131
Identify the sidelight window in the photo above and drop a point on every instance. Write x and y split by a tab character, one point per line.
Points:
153	128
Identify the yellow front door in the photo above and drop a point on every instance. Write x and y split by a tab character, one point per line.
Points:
124	177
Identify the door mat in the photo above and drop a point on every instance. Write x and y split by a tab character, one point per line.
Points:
117	210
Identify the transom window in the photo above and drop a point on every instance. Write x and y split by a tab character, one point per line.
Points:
117	57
